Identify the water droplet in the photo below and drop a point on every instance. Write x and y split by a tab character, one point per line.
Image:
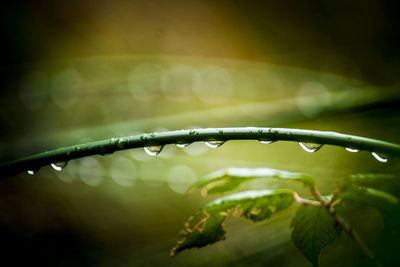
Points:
310	147
58	166
266	141
181	145
30	172
69	173
214	143
353	150
153	150
379	157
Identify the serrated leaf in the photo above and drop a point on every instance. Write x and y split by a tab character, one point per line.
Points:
313	229
254	205
207	231
230	179
367	195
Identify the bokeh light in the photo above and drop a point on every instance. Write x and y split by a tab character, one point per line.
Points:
75	72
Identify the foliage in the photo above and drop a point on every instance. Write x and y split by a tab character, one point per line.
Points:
313	229
365	189
253	205
230	179
317	223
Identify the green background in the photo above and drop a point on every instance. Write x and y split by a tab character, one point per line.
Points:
76	71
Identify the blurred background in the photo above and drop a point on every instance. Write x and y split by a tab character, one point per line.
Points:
80	71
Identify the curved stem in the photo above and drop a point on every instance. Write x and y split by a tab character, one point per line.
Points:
188	136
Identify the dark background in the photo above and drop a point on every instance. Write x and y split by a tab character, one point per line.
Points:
264	52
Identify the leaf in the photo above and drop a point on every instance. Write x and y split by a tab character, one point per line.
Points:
230	179
254	205
380	181
207	231
367	195
313	229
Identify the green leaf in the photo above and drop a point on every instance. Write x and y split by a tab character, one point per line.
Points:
208	230
313	229
230	179
375	180
367	195
254	205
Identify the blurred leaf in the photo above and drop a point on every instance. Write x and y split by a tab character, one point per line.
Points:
254	205
367	195
385	182
230	179
313	229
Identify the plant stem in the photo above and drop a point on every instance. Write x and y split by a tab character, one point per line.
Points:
330	206
188	136
354	236
305	202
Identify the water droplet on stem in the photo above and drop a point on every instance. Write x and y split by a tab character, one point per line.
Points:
58	166
153	150
214	143
310	147
379	157
181	145
266	141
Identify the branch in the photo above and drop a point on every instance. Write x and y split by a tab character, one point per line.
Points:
306	202
188	136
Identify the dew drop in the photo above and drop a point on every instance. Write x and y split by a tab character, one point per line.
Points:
58	166
353	150
310	147
266	141
379	157
214	143
153	150
30	172
181	145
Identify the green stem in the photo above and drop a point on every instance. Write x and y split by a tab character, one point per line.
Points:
188	136
306	202
330	206
354	236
